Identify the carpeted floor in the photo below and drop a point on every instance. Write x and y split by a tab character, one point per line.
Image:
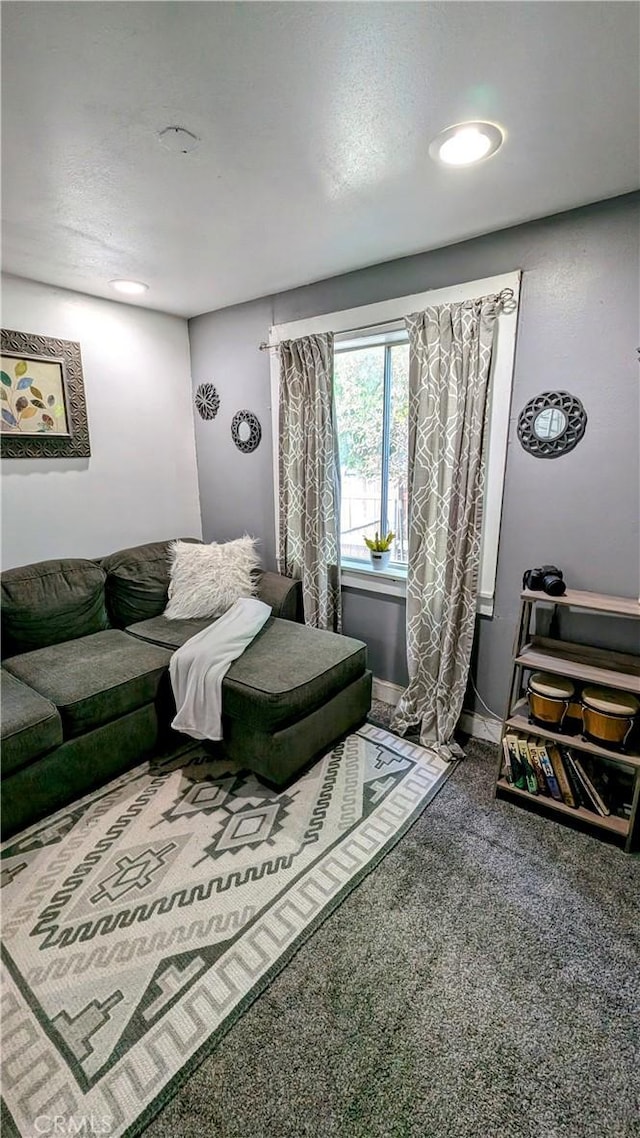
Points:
482	982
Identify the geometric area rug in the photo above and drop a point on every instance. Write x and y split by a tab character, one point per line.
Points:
141	922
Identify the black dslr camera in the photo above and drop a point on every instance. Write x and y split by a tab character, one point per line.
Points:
545	579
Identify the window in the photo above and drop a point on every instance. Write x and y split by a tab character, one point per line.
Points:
371	377
372	404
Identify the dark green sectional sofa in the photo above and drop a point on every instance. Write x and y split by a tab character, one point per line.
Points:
85	689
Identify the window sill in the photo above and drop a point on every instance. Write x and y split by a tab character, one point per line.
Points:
359	575
391	582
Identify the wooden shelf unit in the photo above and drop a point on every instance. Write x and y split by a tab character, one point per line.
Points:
519	721
611	822
594	602
588	665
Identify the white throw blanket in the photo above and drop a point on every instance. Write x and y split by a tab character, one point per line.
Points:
199	667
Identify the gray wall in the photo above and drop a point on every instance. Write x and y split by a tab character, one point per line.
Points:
578	330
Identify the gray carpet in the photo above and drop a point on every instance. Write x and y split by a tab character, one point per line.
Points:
482	982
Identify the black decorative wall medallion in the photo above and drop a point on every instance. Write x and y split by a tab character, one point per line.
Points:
246	431
551	424
207	401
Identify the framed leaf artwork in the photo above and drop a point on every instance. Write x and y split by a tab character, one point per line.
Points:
42	404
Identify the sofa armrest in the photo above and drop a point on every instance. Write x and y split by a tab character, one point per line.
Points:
283	594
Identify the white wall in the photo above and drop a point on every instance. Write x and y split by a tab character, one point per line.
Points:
140	483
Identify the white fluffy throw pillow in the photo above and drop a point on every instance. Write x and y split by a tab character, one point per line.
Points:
207	579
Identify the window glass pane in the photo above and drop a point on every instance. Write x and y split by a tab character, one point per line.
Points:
398	450
359	392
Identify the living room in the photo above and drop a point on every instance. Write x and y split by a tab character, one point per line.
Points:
240	246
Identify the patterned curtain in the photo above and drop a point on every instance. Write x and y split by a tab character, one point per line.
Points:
450	349
309	543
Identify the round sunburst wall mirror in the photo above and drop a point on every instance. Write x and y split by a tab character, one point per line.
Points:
246	431
551	424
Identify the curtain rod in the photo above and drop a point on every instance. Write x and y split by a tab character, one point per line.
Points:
505	301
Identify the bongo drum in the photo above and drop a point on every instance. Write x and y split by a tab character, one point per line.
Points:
572	723
608	716
549	698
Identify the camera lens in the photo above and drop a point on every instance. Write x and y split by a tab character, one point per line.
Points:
553	584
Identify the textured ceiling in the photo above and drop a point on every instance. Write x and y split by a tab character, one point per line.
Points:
314	119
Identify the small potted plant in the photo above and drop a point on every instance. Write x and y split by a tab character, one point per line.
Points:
379	550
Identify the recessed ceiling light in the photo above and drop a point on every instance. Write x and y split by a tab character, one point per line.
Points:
465	143
131	288
178	140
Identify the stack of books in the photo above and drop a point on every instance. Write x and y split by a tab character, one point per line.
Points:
573	777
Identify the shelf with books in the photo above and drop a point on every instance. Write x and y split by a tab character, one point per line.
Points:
611	822
565	776
551	777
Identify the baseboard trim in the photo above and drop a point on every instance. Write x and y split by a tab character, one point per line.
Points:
479	726
387	692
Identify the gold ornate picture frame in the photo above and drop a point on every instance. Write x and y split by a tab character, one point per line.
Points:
43	412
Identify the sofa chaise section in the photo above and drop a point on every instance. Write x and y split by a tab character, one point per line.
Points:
289	697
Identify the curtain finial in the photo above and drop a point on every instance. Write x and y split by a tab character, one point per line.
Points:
507	300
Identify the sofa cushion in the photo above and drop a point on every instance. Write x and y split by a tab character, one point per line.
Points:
207	579
30	724
73	769
168	633
138	581
287	672
49	602
94	679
